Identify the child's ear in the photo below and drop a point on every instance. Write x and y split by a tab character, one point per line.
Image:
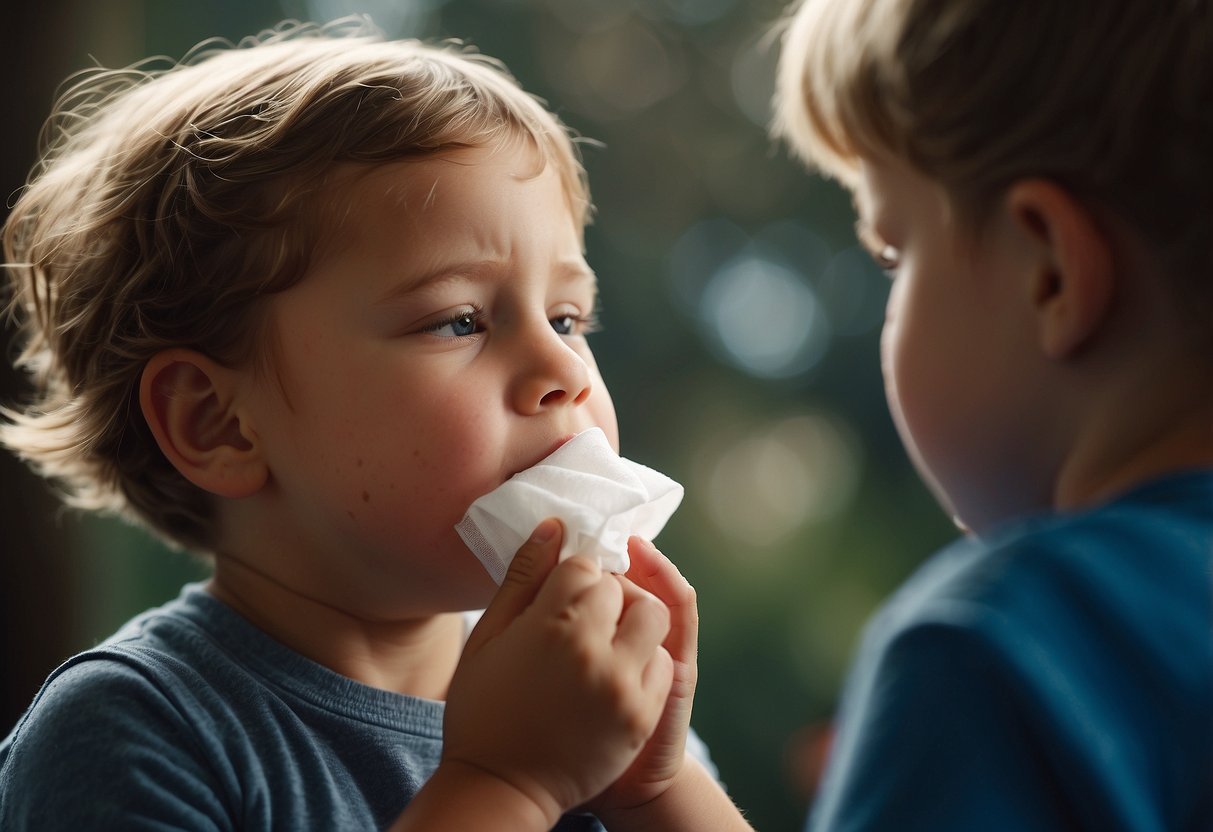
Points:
1073	278
191	403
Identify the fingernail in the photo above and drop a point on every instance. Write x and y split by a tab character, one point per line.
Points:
544	532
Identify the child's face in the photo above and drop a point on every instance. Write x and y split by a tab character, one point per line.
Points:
437	350
960	367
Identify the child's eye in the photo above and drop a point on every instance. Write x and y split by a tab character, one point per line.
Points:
459	326
574	324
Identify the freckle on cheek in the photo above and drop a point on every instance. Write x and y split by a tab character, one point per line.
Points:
366	496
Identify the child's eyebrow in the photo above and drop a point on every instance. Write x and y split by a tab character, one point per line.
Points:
566	271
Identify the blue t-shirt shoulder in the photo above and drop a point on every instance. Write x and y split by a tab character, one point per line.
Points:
192	718
1055	675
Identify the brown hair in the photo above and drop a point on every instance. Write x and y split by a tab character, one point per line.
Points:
1113	101
169	202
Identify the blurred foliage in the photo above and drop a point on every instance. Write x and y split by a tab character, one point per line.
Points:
715	254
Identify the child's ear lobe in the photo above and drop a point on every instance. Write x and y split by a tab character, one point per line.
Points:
190	403
1073	278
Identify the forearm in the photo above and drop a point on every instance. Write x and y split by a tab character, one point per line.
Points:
692	803
460	797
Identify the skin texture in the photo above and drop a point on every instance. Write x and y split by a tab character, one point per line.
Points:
513	760
958	352
1032	365
575	655
436	348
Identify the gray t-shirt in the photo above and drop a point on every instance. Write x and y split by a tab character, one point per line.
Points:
192	718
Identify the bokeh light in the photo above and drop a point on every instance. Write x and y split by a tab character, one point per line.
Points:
764	317
753	79
616	66
588	16
395	17
773	480
771	303
854	291
692	12
698	253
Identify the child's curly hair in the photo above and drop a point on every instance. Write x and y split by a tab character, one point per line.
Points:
169	203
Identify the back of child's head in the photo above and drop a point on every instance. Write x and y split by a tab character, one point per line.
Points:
169	204
1111	100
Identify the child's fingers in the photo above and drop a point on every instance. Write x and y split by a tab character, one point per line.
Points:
602	604
568	582
657	678
654	572
532	564
643	624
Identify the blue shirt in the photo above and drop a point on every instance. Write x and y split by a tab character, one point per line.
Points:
192	718
1056	676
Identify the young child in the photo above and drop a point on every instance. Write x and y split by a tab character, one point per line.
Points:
1037	179
296	305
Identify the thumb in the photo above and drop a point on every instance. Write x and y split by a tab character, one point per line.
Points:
530	567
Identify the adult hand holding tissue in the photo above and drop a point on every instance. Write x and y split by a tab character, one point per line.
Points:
601	498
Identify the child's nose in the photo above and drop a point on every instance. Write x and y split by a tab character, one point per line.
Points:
553	375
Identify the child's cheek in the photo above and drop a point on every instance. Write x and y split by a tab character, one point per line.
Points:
890	346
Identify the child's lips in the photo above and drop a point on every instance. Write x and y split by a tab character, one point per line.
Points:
558	444
555	446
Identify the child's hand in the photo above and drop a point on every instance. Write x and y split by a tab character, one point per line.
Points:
662	757
562	681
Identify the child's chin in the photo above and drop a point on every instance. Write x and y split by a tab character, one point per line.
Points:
478	589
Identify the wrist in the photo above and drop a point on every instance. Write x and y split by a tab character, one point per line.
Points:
691	801
461	795
643	804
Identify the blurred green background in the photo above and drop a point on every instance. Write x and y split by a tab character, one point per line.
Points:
740	336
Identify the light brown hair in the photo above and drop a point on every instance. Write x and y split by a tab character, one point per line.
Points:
1111	100
169	203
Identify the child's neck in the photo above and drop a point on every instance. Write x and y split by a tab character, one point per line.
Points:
1143	435
415	656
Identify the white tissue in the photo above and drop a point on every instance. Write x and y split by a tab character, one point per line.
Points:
601	498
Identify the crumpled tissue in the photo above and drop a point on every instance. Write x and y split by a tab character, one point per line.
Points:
601	498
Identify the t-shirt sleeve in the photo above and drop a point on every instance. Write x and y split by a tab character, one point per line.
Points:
102	748
936	736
